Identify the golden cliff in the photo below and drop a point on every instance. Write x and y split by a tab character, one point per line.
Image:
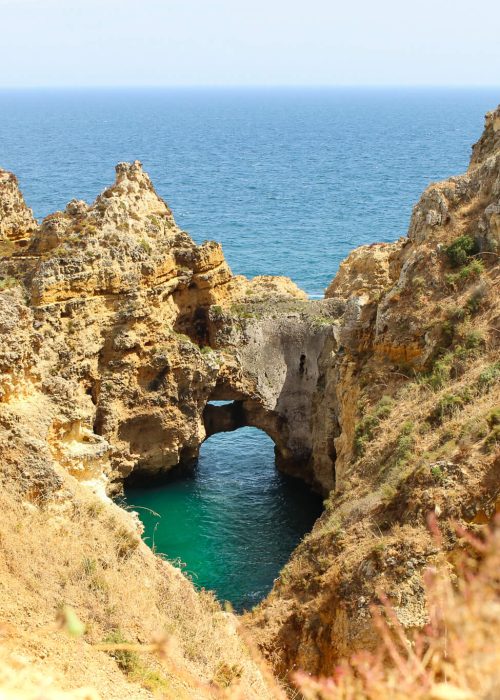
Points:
116	333
408	401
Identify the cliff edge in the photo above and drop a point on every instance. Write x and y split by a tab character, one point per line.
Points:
409	403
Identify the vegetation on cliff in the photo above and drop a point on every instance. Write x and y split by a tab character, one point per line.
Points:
416	397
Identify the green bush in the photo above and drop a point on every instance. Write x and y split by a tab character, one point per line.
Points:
145	246
407	427
404	447
460	250
493	438
131	664
472	271
437	472
493	417
154	220
473	340
489	376
476	299
216	310
441	372
448	331
365	428
453	362
449	403
388	492
126	659
8	283
384	407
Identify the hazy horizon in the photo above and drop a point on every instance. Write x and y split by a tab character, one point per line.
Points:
250	87
266	43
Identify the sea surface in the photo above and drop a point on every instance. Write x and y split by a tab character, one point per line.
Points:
289	181
232	523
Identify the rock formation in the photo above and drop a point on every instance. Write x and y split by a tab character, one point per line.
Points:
16	220
408	402
131	329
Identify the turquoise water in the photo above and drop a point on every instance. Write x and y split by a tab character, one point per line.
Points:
289	181
233	521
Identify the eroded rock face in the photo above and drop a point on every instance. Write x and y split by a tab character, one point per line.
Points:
133	329
16	220
409	374
273	368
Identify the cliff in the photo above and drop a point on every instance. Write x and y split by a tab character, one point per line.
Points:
116	334
105	370
408	401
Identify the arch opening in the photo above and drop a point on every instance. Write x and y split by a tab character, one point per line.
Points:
227	415
223	417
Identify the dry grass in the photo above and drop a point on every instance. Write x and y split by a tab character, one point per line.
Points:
85	556
456	656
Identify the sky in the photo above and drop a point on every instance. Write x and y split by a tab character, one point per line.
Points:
249	42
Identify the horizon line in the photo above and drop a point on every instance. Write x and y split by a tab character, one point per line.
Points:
259	86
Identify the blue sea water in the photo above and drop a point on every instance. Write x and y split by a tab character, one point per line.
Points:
289	181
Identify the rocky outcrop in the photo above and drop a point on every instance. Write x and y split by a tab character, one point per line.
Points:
133	330
16	220
273	350
406	399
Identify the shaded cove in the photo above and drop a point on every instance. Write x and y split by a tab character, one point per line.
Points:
233	520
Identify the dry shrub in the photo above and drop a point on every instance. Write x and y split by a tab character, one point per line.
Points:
85	556
456	656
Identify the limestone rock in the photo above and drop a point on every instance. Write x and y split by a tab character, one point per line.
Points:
16	220
404	312
120	299
489	143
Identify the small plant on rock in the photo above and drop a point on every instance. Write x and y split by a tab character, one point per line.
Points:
459	252
145	246
437	472
469	272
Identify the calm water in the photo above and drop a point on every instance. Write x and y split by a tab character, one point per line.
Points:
234	521
289	181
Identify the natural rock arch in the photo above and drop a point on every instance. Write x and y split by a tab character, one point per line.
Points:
241	414
140	328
